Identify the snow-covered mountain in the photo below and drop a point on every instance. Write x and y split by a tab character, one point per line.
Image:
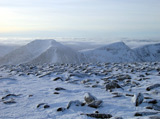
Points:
149	53
5	49
116	52
59	53
42	51
50	51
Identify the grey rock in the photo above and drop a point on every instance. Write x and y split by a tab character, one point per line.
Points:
9	96
145	113
46	106
56	93
152	87
61	109
9	102
89	98
75	103
112	85
59	89
138	99
57	78
98	115
41	104
95	104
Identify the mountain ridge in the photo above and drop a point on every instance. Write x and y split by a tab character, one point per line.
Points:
51	51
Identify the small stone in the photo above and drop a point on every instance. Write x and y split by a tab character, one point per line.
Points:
130	95
59	89
145	113
89	98
46	106
147	98
30	95
96	111
57	78
76	103
56	92
149	108
112	85
83	104
153	101
152	87
9	102
138	99
94	86
9	95
98	115
95	104
61	109
39	105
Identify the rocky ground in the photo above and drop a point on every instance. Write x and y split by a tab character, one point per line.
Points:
69	91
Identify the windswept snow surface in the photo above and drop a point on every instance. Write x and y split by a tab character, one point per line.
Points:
28	86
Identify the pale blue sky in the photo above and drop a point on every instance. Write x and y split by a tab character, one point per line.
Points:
80	18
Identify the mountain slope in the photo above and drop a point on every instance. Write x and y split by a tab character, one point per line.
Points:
26	53
149	53
41	51
5	49
59	54
116	52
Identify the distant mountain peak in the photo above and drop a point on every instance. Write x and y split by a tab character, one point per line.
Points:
42	51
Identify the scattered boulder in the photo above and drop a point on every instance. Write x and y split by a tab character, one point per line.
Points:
39	105
145	113
98	115
95	104
61	109
89	98
45	105
30	95
59	89
149	107
92	101
123	77
154	101
76	103
130	95
56	93
57	78
152	87
9	96
112	85
138	99
9	102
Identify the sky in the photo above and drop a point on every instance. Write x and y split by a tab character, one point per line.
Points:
80	18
